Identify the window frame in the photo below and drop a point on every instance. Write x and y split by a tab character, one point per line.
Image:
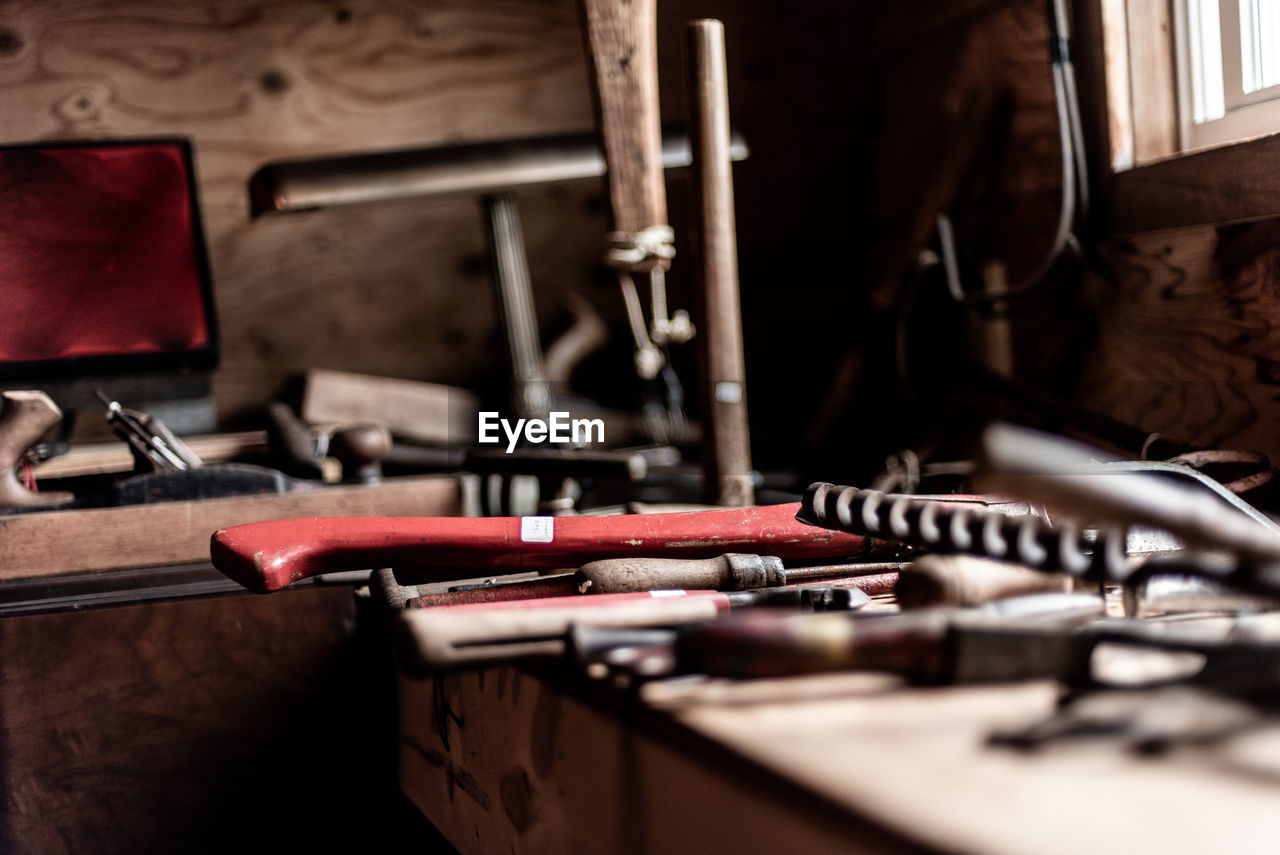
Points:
1245	114
1130	98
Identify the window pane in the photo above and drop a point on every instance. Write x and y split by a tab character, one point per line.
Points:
1259	44
1206	60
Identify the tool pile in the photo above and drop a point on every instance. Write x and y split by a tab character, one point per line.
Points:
1054	556
939	590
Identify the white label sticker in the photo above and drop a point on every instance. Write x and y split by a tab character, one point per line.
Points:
537	529
728	392
667	593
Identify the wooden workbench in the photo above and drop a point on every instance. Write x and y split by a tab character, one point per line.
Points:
188	718
509	760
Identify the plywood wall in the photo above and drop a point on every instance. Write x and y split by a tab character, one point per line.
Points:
1171	332
1189	344
402	289
863	124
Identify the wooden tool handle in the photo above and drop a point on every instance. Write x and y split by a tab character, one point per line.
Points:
727	447
769	643
267	556
24	418
962	580
621	37
730	572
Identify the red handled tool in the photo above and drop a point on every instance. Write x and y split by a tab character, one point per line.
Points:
267	556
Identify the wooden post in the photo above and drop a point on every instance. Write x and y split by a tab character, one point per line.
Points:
727	449
622	49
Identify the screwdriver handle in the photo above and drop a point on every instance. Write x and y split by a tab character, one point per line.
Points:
729	572
964	580
758	643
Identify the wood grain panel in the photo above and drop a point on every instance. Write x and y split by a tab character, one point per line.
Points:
1188	342
222	725
1151	74
151	535
402	290
399	290
504	761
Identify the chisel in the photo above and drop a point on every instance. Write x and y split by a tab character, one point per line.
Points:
619	575
728	572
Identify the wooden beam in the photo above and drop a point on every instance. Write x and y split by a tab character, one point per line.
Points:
1152	79
1235	183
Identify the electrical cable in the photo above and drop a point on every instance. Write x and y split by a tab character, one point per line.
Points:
1075	195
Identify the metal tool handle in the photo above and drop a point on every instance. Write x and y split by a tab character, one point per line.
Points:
1025	462
514	298
958	529
622	51
452	636
149	438
495	591
267	556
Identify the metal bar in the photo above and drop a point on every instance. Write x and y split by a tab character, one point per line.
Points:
290	186
514	299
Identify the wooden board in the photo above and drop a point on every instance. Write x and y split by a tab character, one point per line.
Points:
103	539
1153	91
96	458
240	724
426	412
502	762
1184	347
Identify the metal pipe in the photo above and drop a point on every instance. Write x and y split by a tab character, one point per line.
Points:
290	186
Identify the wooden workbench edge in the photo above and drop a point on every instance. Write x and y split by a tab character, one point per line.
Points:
52	543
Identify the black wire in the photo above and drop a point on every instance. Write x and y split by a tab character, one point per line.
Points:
1074	206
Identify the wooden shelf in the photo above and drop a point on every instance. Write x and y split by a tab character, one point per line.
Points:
50	543
1234	183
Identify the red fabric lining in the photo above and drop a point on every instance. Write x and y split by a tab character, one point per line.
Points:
97	255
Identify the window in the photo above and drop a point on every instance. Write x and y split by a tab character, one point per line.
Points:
1228	57
1188	116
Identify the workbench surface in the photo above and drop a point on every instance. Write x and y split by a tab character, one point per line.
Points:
513	760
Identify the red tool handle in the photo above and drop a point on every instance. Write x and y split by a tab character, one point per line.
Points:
267	556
